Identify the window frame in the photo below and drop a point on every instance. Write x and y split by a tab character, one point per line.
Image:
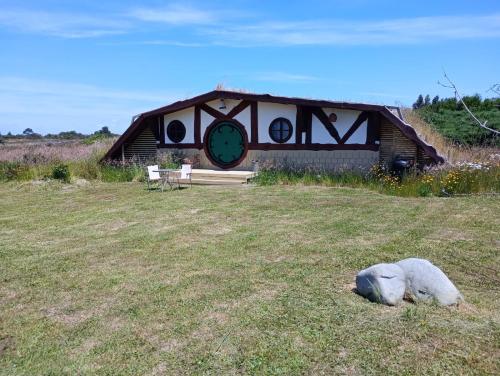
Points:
281	121
169	131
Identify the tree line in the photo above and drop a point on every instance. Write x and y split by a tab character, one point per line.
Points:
472	101
29	133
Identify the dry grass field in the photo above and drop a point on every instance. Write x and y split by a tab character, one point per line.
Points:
112	279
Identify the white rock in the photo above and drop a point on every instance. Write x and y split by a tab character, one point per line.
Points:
425	281
382	283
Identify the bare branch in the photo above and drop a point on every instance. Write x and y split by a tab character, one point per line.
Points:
495	89
451	85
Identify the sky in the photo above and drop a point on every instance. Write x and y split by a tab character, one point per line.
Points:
80	65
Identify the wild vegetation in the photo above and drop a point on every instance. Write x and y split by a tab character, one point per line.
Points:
470	169
466	178
448	117
112	279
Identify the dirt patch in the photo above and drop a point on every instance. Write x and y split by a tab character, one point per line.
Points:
218	317
65	314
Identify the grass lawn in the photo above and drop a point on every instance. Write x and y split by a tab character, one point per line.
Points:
109	278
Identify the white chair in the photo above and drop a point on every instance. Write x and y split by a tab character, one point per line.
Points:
154	176
186	173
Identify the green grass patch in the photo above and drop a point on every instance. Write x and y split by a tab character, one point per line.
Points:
109	278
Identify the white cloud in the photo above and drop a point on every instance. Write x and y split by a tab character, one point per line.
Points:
65	25
209	26
175	14
343	32
53	106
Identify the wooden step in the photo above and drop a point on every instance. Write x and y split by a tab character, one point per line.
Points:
225	178
217	182
242	176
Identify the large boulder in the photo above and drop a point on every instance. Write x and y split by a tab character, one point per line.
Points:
426	282
382	283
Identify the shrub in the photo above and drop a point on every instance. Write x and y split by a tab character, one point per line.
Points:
61	172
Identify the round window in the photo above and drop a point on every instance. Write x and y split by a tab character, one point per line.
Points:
176	131
280	130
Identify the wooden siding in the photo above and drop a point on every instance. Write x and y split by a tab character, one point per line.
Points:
422	158
143	147
394	143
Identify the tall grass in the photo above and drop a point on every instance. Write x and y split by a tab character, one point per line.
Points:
44	160
438	181
453	153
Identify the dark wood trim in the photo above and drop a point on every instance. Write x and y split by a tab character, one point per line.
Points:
320	114
212	111
316	147
161	126
254	122
222	94
299	124
197	125
270	146
373	128
138	122
354	127
245	141
237	109
220	115
218	94
181	146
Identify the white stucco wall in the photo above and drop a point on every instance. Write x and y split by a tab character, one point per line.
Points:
243	117
345	119
267	112
270	111
230	104
187	118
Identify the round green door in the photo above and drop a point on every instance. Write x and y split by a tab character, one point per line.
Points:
226	144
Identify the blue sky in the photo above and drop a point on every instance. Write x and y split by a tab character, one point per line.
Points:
68	65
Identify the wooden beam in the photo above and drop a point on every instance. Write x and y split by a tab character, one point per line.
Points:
316	146
161	128
299	125
254	122
197	125
237	109
361	118
212	111
373	128
320	114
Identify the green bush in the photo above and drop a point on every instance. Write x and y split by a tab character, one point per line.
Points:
61	172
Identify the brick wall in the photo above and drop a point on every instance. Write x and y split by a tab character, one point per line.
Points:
334	160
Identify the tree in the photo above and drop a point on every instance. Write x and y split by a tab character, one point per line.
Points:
435	100
427	100
419	103
104	131
28	132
